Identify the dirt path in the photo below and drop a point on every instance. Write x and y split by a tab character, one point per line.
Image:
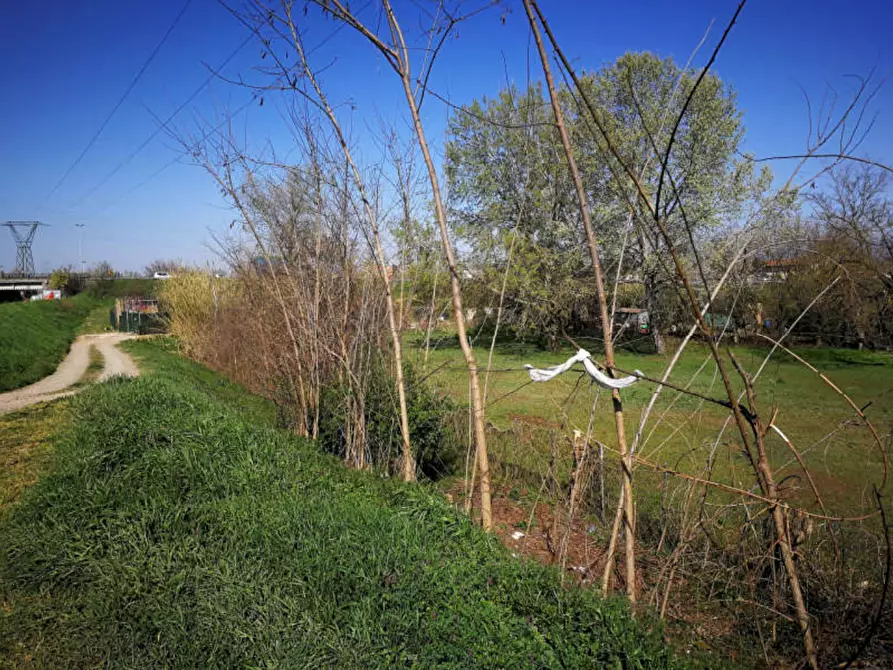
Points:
71	370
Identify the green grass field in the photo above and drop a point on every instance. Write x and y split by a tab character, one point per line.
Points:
682	430
176	527
35	336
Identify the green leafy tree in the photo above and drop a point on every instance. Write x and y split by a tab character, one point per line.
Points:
705	182
60	279
511	199
507	181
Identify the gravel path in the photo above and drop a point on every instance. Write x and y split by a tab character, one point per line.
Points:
71	370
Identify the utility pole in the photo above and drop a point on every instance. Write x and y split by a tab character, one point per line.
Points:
81	245
23	233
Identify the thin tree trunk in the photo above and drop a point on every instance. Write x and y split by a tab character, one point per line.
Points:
781	527
651	303
440	213
626	460
612	543
316	299
431	317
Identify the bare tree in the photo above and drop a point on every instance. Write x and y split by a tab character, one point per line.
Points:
607	328
396	54
284	28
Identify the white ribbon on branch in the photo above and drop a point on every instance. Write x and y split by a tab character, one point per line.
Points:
584	357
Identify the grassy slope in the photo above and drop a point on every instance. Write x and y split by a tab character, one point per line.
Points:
26	448
180	529
121	288
35	336
685	428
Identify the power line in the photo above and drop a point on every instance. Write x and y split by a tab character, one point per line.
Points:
162	126
176	160
121	100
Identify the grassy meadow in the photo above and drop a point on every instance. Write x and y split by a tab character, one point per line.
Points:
682	430
175	526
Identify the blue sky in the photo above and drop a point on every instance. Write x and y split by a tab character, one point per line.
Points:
64	65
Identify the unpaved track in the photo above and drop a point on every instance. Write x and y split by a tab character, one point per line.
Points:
71	370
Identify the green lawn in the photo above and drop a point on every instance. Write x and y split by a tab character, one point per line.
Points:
36	336
682	430
178	528
26	448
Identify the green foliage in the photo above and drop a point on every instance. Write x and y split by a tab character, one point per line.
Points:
120	288
630	295
429	415
509	195
35	336
176	531
60	279
511	192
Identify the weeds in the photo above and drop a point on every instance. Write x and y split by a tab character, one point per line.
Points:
434	446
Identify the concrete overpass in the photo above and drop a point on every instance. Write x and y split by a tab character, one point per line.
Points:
21	287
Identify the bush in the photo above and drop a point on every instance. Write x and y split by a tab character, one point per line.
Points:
122	288
433	442
192	301
60	279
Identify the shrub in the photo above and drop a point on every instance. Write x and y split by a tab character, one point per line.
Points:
433	441
60	279
192	301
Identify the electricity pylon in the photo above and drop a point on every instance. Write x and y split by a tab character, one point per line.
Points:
23	233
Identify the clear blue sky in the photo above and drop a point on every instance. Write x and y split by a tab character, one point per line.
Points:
63	66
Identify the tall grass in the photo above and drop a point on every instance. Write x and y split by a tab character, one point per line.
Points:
35	336
192	301
177	531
